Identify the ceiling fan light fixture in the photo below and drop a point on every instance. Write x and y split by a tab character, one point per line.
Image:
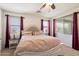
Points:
53	6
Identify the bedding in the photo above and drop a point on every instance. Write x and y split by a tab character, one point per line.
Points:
36	44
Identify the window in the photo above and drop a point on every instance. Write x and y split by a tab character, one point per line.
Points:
14	27
45	27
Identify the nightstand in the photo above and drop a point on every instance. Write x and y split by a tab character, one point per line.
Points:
13	43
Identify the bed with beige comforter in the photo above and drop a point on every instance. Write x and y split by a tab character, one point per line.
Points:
42	45
37	45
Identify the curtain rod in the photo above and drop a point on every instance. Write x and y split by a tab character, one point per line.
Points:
13	15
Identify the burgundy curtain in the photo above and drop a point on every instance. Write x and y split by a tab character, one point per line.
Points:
54	27
21	26
7	32
49	27
75	39
42	24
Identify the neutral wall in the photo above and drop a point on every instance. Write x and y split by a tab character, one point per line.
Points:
32	19
3	22
0	23
0	29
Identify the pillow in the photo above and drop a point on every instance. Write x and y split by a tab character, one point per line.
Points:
37	33
26	32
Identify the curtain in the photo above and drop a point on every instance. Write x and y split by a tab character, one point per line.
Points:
75	39
21	26
7	32
49	27
21	23
54	27
42	24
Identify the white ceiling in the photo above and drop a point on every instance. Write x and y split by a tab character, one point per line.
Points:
33	7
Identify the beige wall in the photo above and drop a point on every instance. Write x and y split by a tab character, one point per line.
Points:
0	29
0	23
32	19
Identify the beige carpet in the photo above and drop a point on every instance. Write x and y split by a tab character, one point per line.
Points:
7	52
66	51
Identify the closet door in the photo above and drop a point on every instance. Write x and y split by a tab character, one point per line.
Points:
68	29
64	29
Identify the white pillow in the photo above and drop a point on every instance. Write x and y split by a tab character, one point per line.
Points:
37	33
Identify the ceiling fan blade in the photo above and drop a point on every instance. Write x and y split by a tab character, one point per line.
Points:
43	6
53	6
38	11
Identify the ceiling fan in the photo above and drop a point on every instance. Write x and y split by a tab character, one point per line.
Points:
44	5
50	5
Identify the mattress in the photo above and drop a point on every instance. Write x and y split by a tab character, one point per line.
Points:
37	45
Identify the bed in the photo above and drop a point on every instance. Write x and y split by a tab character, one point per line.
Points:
35	43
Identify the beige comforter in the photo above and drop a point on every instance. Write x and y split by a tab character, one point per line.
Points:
38	43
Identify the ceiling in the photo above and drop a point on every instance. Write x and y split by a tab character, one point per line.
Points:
33	7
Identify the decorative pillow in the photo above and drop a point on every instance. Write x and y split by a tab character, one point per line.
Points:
37	33
26	32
